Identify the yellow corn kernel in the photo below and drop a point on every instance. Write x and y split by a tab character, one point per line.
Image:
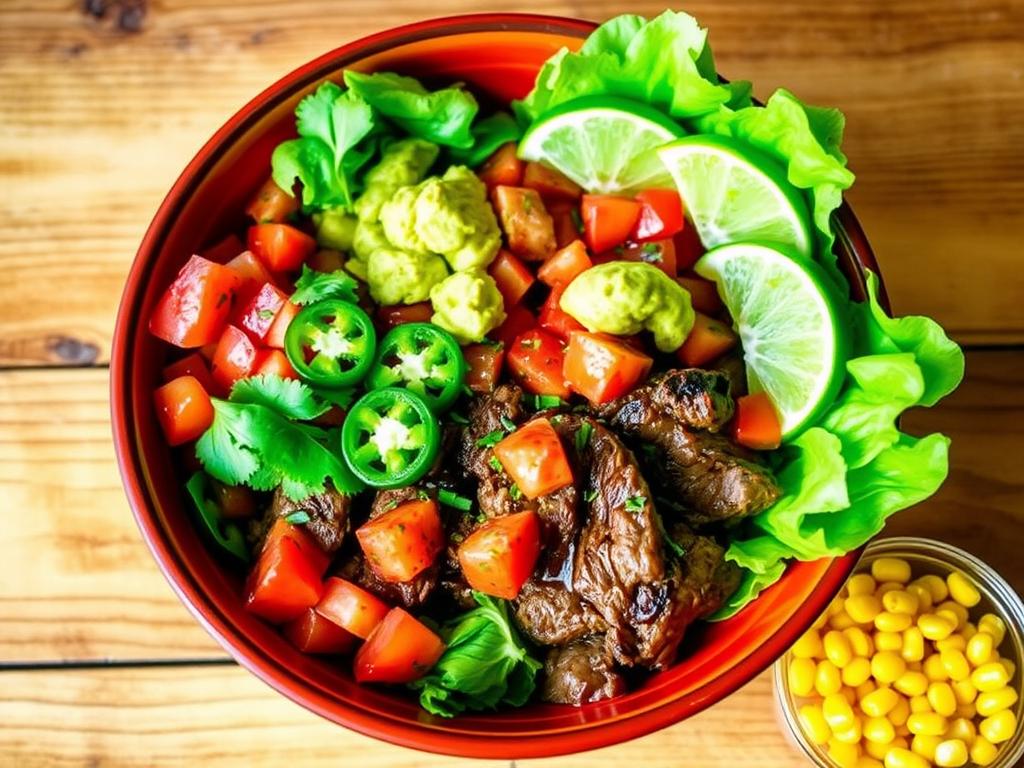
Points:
924	597
901	742
887	666
801	676
875	749
836	605
951	753
838	712
900	601
866	761
928	723
920	704
966	710
868	686
935	585
969	630
912	683
983	751
989	677
955	642
990	702
994	626
925	746
963	590
827	679
812	720
860	641
892	622
879	703
935	627
979	649
879	730
955	664
999	727
863	608
861	584
964	729
851	735
934	670
887	587
915	666
956	609
940	696
889	641
843	755
964	691
898	715
841	621
849	694
902	730
891	569
1009	666
904	758
821	622
808	646
913	644
837	648
857	672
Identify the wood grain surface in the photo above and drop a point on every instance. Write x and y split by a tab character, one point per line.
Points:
103	102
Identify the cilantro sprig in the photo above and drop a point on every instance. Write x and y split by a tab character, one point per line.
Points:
313	286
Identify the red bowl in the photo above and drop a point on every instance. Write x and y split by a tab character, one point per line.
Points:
499	55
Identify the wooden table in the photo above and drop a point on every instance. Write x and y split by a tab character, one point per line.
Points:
99	663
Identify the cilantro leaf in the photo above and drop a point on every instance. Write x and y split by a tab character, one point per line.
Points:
491	439
489	134
583	436
288	397
299	517
635	504
454	500
313	286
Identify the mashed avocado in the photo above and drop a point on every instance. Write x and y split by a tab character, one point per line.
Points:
626	297
467	305
448	215
335	229
368	238
402	164
400	277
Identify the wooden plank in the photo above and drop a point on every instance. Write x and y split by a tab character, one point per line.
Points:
76	581
223	716
90	141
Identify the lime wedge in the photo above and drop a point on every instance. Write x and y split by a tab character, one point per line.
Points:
734	193
604	143
794	344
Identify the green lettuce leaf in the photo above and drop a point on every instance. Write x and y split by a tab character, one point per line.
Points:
489	134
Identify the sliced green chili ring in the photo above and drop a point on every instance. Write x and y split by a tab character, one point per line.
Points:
331	343
424	359
390	438
225	534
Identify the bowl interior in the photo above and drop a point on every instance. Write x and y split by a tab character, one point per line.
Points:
498	56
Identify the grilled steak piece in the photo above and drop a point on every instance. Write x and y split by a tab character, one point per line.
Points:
711	476
550	613
580	673
707	578
328	516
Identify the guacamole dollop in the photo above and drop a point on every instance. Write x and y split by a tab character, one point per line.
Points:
400	277
401	164
626	297
467	305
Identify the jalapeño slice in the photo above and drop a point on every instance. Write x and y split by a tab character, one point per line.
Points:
422	358
331	343
390	438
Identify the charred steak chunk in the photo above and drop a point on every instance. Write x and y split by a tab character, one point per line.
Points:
550	613
328	516
580	673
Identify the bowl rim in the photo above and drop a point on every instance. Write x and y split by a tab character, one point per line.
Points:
585	736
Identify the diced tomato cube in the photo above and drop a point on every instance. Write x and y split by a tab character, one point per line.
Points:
237	357
195	307
404	542
756	423
518	320
257	316
502	168
528	226
703	294
535	459
556	320
193	365
708	339
499	556
535	359
511	276
397	314
549	183
658	253
224	250
312	633
275	336
688	247
661	215
183	409
283	583
351	607
280	247
251	269
484	361
565	265
567	221
400	650
602	368
608	220
272	204
311	551
276	363
326	260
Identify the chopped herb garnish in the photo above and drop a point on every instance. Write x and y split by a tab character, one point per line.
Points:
635	504
491	439
457	538
651	253
577	220
590	495
457	417
583	436
533	343
540	402
299	517
454	500
422	495
491	343
494	464
678	550
508	424
556	419
514	492
390	505
467	391
265	314
481	518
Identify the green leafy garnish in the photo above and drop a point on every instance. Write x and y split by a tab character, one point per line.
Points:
542	402
226	534
514	492
454	500
583	436
300	517
489	134
458	418
313	286
635	504
590	495
507	423
494	464
491	439
288	397
484	665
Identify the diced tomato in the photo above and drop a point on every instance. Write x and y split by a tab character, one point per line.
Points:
703	294
502	168
236	358
207	351
234	501
535	359
484	361
400	650
397	314
549	183
528	226
566	219
275	336
351	607
708	339
258	314
512	277
554	319
535	459
312	633
607	220
280	246
183	409
403	542
195	307
565	265
688	247
326	260
518	320
602	368
311	551
276	363
272	204
658	253
756	423
283	583
193	365
499	556
661	215
251	269
223	250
